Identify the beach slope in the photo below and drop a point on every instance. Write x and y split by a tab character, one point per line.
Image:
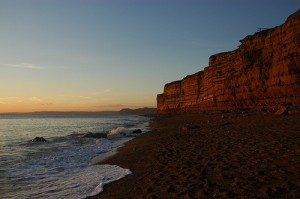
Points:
220	155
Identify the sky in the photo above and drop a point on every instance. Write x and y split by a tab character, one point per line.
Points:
97	55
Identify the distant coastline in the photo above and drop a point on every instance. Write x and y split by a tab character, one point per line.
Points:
144	110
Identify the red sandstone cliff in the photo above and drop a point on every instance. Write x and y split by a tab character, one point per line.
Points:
263	73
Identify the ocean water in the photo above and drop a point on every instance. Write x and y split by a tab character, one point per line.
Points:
63	166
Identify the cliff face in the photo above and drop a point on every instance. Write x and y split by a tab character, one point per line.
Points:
263	73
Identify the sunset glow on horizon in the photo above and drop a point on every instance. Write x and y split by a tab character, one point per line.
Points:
77	55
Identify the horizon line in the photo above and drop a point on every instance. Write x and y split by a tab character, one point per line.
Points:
32	112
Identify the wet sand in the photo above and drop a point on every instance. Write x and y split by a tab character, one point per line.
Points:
220	155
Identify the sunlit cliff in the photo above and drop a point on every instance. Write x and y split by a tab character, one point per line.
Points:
263	73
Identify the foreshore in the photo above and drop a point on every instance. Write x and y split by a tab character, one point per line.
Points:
211	155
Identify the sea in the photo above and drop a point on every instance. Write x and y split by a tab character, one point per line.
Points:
65	166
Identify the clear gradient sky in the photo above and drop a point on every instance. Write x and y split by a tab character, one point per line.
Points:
94	55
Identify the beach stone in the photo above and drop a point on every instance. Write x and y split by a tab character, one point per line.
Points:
137	131
187	127
39	139
95	135
194	126
281	111
184	129
225	124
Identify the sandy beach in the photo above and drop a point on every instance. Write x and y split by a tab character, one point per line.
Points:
219	155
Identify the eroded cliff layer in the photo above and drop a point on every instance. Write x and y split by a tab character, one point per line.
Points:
263	73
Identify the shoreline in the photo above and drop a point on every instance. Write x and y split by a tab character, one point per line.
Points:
120	142
201	155
104	156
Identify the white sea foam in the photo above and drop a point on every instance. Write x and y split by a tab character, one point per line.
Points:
87	182
117	131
